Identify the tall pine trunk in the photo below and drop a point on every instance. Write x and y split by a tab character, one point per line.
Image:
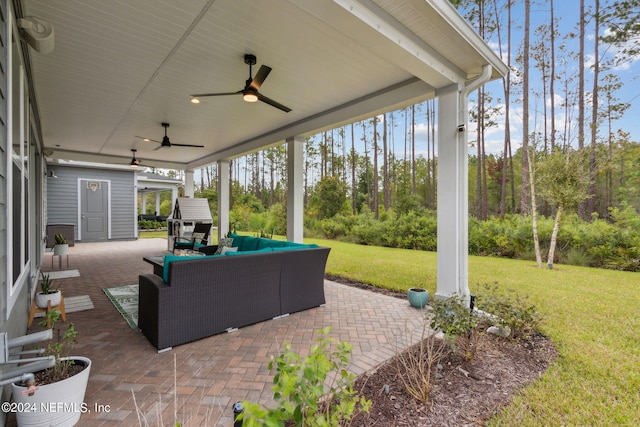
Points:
594	113
524	200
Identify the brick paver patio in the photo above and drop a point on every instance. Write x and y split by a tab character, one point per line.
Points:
213	373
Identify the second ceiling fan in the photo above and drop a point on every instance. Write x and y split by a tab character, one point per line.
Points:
250	92
166	143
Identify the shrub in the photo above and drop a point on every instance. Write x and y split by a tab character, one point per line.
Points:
510	311
333	228
458	323
299	388
147	224
415	365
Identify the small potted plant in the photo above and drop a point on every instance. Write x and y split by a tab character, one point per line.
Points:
48	292
64	383
61	247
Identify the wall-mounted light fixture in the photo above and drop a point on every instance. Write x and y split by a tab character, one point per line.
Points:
38	33
51	174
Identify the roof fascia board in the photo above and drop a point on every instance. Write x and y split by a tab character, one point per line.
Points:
379	33
398	96
449	14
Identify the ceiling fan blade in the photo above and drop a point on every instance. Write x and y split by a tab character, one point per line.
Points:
260	77
148	139
186	145
216	94
273	103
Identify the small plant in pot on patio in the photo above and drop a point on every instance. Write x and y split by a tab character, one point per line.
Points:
48	292
61	247
58	393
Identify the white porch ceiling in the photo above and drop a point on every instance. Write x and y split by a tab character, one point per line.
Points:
122	67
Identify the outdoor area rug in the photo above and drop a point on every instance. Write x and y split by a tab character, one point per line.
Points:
74	304
125	298
63	274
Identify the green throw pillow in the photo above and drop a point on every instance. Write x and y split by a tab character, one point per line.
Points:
225	241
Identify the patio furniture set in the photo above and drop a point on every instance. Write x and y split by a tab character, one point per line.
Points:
199	296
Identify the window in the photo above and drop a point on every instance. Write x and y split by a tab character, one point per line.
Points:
18	172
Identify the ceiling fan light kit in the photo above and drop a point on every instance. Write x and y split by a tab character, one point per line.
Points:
134	162
250	92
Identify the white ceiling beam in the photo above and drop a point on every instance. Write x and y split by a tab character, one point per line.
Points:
117	160
395	97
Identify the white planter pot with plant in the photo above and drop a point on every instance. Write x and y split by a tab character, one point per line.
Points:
48	292
57	392
62	247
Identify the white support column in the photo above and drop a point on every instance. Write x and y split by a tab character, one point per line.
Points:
295	189
174	197
188	184
157	194
223	198
144	203
453	192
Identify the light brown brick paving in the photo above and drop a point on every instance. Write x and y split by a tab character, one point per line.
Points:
214	372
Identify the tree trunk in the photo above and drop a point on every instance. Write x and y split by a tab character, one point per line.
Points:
385	165
552	93
413	150
354	185
524	201
534	213
594	114
376	178
554	237
582	205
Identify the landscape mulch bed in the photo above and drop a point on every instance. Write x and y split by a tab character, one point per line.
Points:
468	392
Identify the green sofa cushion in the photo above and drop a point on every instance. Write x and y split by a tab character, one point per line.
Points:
168	259
295	247
257	251
249	244
270	243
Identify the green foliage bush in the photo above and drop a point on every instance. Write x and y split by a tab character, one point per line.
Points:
599	243
299	388
509	310
146	224
458	323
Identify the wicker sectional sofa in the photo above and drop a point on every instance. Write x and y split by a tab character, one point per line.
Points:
207	295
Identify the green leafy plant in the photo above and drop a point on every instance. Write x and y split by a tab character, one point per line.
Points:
458	324
509	310
59	348
300	390
60	239
46	285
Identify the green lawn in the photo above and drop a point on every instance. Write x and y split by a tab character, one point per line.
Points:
592	316
152	234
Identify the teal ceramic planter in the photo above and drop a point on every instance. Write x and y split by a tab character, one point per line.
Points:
418	297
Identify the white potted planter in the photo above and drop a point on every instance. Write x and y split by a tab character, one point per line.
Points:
61	249
42	300
58	404
48	292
